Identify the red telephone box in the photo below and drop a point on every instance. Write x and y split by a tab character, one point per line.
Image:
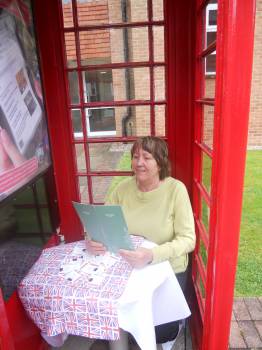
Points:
189	82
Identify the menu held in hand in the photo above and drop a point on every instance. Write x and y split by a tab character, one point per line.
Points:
105	224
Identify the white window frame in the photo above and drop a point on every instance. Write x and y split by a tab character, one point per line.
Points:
210	28
97	133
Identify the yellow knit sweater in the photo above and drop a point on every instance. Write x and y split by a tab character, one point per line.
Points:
163	216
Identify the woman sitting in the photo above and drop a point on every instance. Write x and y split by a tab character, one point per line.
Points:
157	207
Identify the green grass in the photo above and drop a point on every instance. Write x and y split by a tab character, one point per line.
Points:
249	271
123	165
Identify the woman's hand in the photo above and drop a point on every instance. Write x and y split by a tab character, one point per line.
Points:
95	248
137	258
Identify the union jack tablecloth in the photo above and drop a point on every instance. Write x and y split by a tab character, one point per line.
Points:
68	290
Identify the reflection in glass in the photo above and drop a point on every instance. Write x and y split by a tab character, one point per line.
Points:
160	120
80	157
208	125
83	189
70	45
205	214
203	252
110	156
112	11
158	13
77	123
159	82
116	84
73	87
206	171
159	42
67	13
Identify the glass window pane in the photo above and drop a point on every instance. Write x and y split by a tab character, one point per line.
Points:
102	186
159	43
208	125
160	120
203	252
118	121
25	197
67	13
46	220
27	220
80	157
70	45
205	214
158	13
77	123
140	120
209	86
201	285
73	87
41	191
209	24
95	47
159	81
112	11
206	172
110	156
114	45
212	18
116	84
210	38
101	121
83	189
210	64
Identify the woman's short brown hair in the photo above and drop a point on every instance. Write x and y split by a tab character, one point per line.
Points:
158	148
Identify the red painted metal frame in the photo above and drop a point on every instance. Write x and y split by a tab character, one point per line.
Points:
6	338
180	83
234	70
47	24
151	64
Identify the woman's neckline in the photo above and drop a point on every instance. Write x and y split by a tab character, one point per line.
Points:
149	189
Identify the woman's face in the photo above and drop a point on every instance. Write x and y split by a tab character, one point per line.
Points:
144	166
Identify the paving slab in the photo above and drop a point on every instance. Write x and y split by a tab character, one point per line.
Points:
236	341
240	310
258	325
250	334
255	308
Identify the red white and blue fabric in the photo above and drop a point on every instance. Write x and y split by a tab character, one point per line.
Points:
81	306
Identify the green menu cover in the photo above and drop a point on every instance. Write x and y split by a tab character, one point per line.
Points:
105	224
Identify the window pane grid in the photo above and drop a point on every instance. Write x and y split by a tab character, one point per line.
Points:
86	100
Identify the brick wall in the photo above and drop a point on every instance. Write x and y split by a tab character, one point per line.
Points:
255	116
108	46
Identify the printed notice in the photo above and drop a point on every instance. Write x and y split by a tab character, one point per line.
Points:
21	111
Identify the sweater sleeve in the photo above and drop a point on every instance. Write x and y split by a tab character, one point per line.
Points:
184	230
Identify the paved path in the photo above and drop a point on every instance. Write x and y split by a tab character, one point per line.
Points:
246	324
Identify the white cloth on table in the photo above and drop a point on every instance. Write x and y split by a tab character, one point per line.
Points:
152	297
